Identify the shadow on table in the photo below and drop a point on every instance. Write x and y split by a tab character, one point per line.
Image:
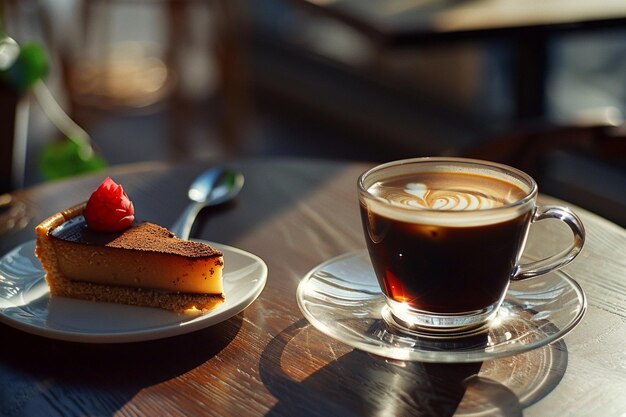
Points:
357	383
96	379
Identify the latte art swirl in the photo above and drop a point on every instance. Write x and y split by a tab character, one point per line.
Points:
440	198
420	196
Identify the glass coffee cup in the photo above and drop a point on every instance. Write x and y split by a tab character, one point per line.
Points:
446	237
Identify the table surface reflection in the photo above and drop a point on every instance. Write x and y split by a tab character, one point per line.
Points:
268	360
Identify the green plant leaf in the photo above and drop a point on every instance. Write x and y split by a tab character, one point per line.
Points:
67	158
30	66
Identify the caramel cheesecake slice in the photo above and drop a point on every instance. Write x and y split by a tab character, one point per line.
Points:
144	265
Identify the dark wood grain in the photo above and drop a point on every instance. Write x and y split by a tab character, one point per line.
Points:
269	360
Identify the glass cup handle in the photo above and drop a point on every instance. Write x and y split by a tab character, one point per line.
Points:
543	266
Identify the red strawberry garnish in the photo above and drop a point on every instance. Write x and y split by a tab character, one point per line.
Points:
109	209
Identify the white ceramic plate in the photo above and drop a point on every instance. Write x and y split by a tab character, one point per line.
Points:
26	304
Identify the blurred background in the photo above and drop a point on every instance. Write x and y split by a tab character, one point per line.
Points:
540	85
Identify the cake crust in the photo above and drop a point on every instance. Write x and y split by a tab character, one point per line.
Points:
179	301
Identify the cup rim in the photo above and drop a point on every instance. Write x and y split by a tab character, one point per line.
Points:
530	195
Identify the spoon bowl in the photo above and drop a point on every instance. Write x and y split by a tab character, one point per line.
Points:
211	188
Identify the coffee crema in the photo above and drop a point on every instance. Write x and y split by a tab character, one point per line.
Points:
419	197
447	191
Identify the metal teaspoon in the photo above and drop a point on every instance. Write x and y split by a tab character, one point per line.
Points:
211	188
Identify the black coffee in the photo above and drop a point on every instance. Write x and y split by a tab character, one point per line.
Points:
439	262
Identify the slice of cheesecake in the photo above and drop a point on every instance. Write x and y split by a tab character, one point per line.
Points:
144	265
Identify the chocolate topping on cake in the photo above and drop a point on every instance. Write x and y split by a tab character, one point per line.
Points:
143	236
154	238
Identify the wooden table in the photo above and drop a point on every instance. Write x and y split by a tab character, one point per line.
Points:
269	360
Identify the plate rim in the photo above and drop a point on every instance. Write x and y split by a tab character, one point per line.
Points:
183	326
433	356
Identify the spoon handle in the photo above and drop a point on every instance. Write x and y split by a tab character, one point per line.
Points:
182	226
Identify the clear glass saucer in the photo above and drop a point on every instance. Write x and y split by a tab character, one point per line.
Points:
342	299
